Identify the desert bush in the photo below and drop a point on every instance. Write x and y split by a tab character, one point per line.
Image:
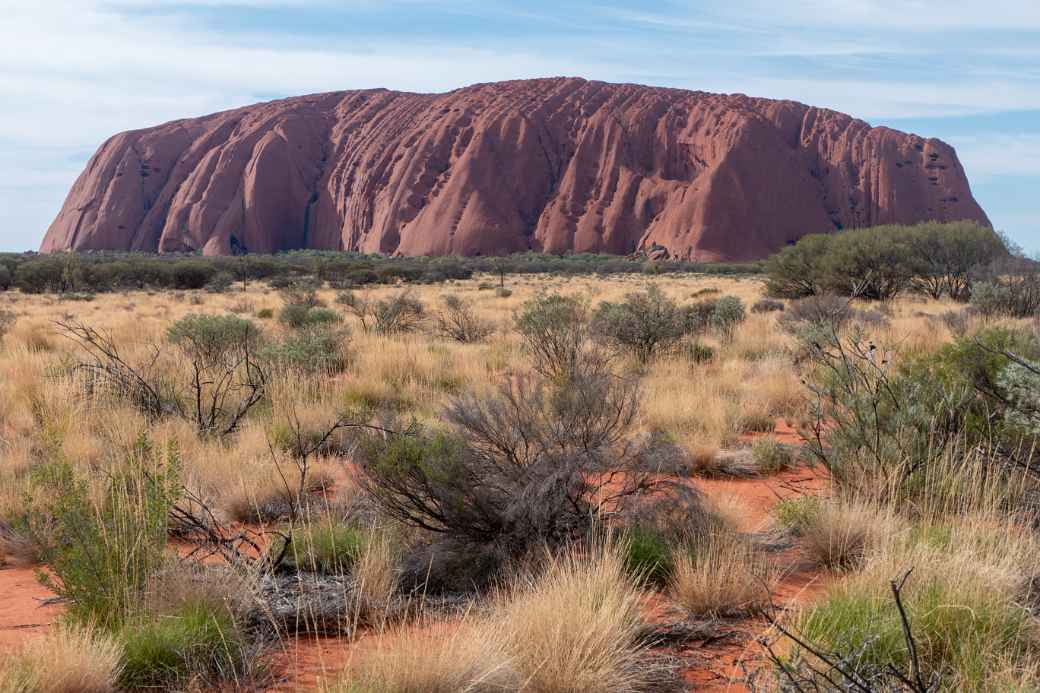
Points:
225	379
1008	287
879	262
6	278
220	283
767	305
819	312
317	350
198	640
102	549
69	659
503	292
395	315
645	325
457	321
302	315
265	314
727	313
721	574
771	456
555	331
794	272
520	469
697	353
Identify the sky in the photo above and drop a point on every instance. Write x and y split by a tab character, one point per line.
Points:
74	72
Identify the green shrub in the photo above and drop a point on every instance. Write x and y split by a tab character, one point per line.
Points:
647	555
301	315
646	324
213	338
322	547
554	330
265	314
197	640
771	456
727	313
102	549
312	350
798	512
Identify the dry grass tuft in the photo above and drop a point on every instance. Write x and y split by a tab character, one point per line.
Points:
722	574
67	660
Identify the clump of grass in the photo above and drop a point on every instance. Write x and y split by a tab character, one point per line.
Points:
647	555
69	659
577	627
771	456
450	658
198	639
722	574
323	547
571	628
966	601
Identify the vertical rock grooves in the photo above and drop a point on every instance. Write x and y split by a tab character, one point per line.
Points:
554	165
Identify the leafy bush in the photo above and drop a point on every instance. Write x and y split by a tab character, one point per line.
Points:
313	350
197	639
554	330
771	456
213	339
727	313
695	352
458	321
301	315
879	262
646	324
101	550
398	314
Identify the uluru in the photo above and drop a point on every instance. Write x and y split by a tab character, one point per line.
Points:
551	165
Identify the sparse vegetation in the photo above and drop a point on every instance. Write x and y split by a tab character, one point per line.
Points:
561	505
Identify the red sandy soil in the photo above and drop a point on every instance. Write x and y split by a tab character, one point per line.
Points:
22	613
712	666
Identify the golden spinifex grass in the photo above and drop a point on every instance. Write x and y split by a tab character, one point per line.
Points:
68	659
575	624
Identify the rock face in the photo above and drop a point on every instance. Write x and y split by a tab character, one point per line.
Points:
552	165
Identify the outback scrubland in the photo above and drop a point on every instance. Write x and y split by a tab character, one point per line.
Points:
820	478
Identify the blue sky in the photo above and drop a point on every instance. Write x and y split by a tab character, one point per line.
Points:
73	72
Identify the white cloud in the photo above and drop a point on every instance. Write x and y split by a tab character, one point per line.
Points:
995	155
73	72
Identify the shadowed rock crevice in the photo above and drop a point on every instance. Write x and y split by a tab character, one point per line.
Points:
556	165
